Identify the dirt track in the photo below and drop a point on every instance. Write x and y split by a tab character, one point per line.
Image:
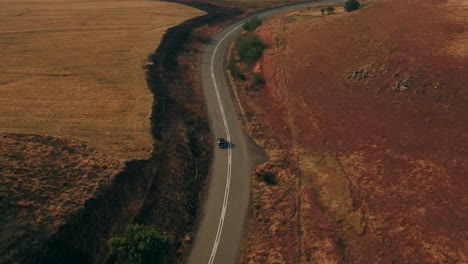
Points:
365	116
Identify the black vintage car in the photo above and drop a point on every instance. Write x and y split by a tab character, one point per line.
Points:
222	143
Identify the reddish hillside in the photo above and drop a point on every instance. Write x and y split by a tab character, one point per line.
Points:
365	118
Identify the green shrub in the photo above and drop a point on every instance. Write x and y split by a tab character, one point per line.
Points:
257	81
235	72
322	10
250	48
330	10
201	38
252	24
140	245
351	5
268	177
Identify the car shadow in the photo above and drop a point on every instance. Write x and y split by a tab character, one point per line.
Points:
230	145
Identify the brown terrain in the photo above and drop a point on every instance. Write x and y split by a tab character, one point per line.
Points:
257	4
244	5
364	116
44	179
73	69
76	70
75	105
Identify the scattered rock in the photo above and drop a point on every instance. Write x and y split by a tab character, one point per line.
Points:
360	73
368	70
402	85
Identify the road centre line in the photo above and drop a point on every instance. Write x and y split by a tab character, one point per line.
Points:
228	136
226	127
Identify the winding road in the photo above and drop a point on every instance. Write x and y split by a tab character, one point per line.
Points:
224	213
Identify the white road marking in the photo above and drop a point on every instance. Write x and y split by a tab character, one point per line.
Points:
226	128
228	137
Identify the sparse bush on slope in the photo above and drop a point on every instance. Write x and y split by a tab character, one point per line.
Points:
257	81
252	24
235	72
352	5
140	245
250	48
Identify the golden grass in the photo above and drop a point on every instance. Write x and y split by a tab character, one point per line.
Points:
73	68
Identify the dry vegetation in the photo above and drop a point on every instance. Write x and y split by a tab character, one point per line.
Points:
246	4
364	118
74	69
263	3
43	181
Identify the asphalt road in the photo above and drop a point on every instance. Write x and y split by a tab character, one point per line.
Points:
224	213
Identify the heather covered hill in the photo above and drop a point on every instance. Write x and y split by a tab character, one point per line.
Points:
364	116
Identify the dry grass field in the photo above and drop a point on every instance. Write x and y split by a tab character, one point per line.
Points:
73	69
